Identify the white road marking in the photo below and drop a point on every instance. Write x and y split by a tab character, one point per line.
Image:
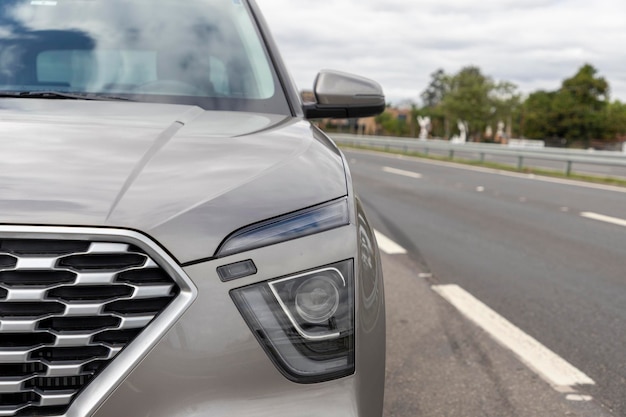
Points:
565	209
578	397
424	275
402	172
387	245
551	367
603	218
480	189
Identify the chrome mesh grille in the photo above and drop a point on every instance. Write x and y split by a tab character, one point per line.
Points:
67	308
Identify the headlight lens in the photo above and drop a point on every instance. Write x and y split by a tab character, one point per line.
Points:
305	322
292	226
317	299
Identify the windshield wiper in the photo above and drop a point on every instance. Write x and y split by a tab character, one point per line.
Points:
61	95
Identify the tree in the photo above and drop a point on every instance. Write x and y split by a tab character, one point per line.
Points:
468	99
505	104
580	106
578	112
469	96
538	118
432	99
616	121
436	90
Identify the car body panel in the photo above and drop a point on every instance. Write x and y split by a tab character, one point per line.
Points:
183	175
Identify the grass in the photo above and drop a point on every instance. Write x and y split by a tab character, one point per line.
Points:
502	167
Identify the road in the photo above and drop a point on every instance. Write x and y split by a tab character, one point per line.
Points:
546	256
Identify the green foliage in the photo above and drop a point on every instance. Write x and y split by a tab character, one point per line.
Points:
470	96
579	111
432	98
436	90
507	103
580	106
468	99
538	118
616	120
392	125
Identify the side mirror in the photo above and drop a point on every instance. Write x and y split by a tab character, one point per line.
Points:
344	96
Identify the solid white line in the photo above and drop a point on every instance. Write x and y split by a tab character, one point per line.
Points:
578	397
402	172
387	245
551	367
603	218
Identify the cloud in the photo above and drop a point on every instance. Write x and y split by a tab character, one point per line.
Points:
533	43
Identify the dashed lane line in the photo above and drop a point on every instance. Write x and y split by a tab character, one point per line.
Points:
552	368
387	245
603	218
402	172
578	397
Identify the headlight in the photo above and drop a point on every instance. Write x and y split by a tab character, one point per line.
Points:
305	322
317	299
291	226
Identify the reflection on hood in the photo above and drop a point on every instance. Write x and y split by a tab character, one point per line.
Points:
183	175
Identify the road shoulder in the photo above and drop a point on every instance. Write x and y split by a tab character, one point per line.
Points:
440	364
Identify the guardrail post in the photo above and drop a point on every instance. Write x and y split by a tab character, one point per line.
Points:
406	149
520	162
568	170
482	157
451	154
426	151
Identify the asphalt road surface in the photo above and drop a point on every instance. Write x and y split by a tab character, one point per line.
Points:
506	293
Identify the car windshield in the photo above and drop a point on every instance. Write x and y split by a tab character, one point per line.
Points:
203	52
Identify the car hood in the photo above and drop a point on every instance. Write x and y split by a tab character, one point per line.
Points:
185	176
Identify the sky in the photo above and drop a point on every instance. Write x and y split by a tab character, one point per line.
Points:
535	44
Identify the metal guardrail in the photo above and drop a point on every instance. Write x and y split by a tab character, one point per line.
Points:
568	156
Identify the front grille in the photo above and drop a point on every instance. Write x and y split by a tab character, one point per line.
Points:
67	308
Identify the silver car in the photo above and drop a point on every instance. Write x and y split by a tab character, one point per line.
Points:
176	239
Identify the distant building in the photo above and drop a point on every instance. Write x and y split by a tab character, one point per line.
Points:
401	114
